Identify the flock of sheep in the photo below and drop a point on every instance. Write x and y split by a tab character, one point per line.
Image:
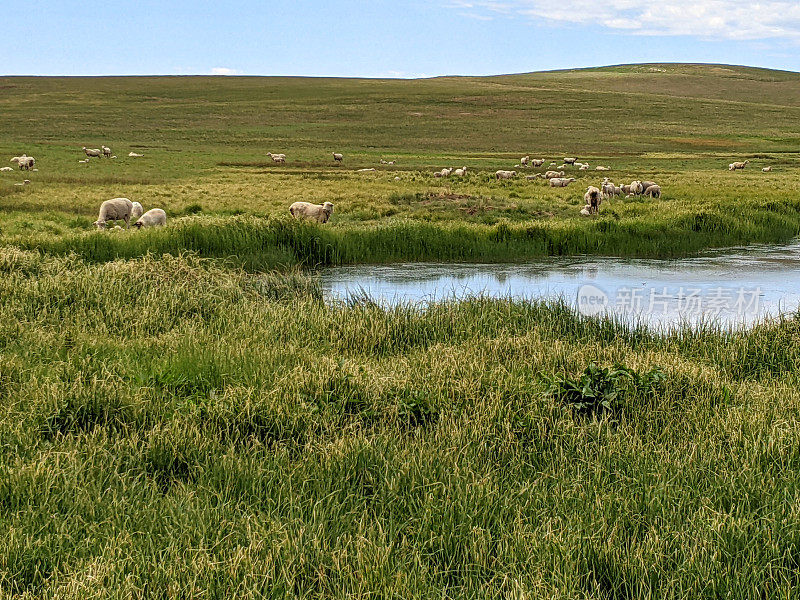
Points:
122	209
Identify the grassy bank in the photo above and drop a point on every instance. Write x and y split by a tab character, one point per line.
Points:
170	428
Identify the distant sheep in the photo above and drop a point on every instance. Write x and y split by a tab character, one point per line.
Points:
524	160
460	172
446	172
505	174
552	174
24	162
317	212
338	157
116	209
602	168
92	152
654	191
584	167
593	197
737	165
767	169
134	155
278	158
106	151
5	169
561	182
570	161
537	162
636	188
155	217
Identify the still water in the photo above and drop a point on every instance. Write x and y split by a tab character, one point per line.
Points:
731	287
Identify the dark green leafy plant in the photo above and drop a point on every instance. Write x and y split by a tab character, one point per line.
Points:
602	389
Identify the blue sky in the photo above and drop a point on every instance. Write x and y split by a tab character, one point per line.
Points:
389	39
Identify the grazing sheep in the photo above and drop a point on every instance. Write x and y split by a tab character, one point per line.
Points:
24	162
524	160
570	161
106	151
654	191
647	184
155	217
134	155
137	210
505	174
460	172
537	162
318	212
584	167
552	174
534	176
767	169
602	168
116	209
561	182
338	157
92	152
737	165
4	169
593	198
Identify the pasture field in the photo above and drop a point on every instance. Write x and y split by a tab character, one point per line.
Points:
182	416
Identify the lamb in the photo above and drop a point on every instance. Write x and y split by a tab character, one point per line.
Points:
317	212
570	161
338	157
537	162
636	188
460	172
505	174
586	211
446	172
5	169
524	160
278	158
116	209
552	174
134	155
765	169
737	165
654	191
155	217
137	210
593	197
608	188
92	152
561	182
106	151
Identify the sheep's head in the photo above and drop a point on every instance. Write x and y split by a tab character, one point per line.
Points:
328	208
138	224
99	224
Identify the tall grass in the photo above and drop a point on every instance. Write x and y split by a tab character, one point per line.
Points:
173	428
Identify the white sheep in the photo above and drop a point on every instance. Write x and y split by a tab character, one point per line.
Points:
137	210
116	209
553	164
602	168
134	155
460	172
6	169
446	172
524	160
155	217
24	162
338	157
278	158
737	165
654	191
534	176
552	174
767	169
586	211
505	174
570	161
593	197
561	182
636	188
391	162
537	162
584	167
92	152
317	212
106	151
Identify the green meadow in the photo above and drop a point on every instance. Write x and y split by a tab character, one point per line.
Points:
182	415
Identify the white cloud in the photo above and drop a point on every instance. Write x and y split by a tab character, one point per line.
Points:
224	71
709	19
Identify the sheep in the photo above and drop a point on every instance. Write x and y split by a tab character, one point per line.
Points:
537	162
593	198
116	209
155	217
586	211
92	152
391	162
364	170
106	151
317	212
636	188
524	160
561	182
84	161
564	166
602	168
654	191
137	210
737	165
553	164
584	167
6	169
767	169
505	174
446	172
278	158
608	188
383	162
534	176
24	162
460	172
338	157
26	182
570	161
134	155
552	174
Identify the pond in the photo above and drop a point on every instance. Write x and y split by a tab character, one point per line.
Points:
732	287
